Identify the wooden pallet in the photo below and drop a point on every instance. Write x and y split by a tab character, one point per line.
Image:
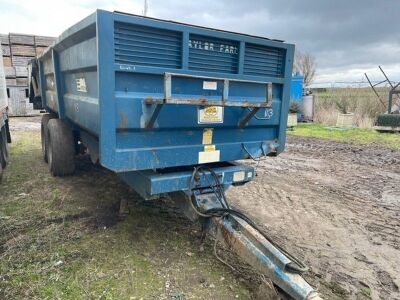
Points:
22	81
21	71
21	39
20	60
7	61
5	50
11	81
23	50
10	72
4	39
40	50
43	41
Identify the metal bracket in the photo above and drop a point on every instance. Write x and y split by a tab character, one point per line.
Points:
204	102
224	97
159	104
247	118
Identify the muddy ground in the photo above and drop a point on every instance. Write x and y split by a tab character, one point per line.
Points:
338	207
335	205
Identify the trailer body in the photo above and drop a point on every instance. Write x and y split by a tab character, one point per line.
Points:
154	94
170	107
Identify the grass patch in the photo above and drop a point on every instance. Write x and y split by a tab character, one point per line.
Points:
355	135
60	238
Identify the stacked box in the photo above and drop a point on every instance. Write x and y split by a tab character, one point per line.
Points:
5	50
7	61
17	51
23	50
40	50
21	39
4	40
11	81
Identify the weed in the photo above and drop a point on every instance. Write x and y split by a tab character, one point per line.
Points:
361	101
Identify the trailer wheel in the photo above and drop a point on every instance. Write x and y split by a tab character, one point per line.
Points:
61	148
44	133
4	147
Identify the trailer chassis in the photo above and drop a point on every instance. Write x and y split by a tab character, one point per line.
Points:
194	192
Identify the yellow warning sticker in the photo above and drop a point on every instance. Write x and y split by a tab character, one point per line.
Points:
208	148
207	136
211	114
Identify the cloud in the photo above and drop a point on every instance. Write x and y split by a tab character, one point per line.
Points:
346	37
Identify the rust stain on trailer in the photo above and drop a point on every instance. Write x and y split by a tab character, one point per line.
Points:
148	100
123	120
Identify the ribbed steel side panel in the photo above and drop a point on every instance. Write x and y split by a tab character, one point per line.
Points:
213	55
146	46
263	61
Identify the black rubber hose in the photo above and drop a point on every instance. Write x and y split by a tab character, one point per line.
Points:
296	265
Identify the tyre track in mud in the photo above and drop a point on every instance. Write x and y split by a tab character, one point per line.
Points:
337	206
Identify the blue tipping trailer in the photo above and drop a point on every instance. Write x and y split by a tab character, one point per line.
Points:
170	107
5	137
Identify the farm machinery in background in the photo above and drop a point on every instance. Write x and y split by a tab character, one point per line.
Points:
389	121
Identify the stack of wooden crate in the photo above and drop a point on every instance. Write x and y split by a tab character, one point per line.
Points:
18	50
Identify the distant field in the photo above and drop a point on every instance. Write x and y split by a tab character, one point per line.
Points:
356	135
361	101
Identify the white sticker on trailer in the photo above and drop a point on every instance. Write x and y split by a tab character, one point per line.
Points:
81	85
209	85
209	156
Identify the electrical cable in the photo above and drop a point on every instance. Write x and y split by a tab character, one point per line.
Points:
296	265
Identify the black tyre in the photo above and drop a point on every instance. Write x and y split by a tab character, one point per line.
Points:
44	133
4	147
61	148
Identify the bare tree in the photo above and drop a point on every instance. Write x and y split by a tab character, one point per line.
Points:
305	64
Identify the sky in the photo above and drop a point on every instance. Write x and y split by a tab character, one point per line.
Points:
346	37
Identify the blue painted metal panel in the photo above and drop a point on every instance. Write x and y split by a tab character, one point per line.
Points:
264	61
146	46
212	54
296	88
296	92
150	183
110	65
